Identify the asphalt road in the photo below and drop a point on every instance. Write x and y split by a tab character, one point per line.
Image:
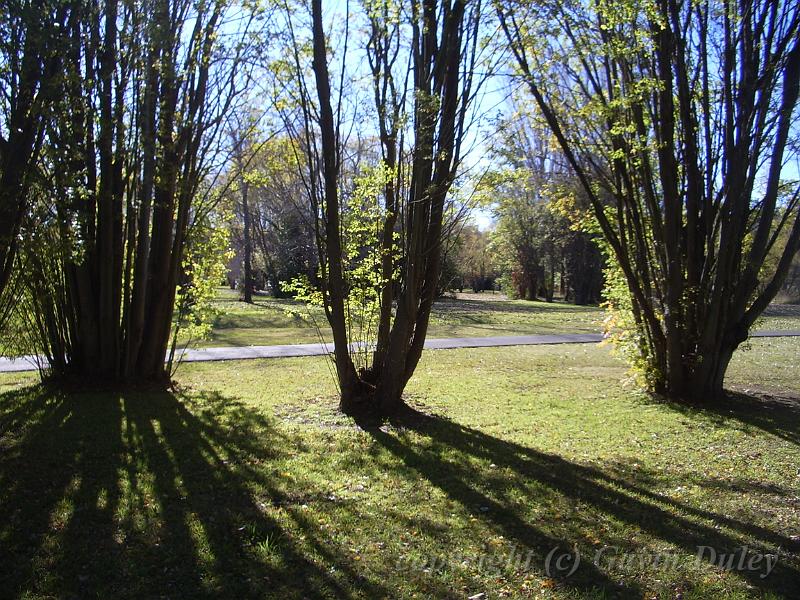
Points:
29	363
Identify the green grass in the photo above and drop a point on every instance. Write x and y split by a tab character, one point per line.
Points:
246	482
780	316
270	321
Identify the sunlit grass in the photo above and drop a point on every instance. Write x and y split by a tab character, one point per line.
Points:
271	321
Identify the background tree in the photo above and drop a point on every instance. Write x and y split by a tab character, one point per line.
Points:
519	240
583	265
282	235
241	139
468	261
681	114
533	194
282	220
791	287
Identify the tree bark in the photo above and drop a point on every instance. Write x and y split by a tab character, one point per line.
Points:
334	287
127	135
35	61
440	99
247	295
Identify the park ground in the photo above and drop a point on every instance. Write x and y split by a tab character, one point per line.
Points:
244	481
269	321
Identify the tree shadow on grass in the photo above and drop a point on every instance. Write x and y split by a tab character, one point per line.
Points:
151	494
156	494
774	413
454	459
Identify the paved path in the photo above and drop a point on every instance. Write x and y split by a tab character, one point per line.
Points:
28	363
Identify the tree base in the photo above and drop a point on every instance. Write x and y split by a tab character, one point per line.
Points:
402	416
366	403
365	396
94	383
370	409
690	397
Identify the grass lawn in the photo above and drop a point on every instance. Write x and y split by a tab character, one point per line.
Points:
245	482
268	320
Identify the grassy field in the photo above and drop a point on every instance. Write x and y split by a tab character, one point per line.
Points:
270	321
246	482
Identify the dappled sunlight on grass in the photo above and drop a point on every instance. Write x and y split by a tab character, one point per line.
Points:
247	482
120	495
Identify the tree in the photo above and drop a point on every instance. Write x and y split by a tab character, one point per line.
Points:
128	155
404	195
242	143
471	260
282	221
31	52
583	268
283	245
681	114
791	287
519	240
535	199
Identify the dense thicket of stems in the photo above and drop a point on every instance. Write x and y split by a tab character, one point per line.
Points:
140	108
444	45
682	113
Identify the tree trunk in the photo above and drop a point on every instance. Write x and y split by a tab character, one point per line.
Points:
35	63
334	287
690	239
531	287
440	96
706	382
247	294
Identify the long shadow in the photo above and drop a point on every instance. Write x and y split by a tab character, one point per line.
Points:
140	494
593	494
777	414
156	494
